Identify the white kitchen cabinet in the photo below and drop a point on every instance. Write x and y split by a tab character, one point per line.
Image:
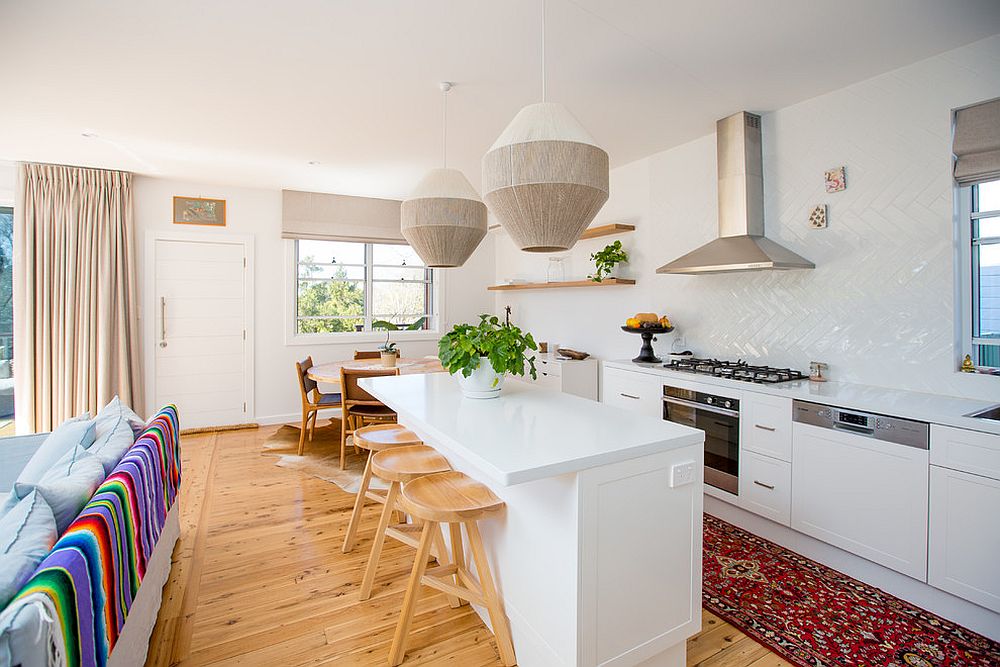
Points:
964	541
639	392
863	495
579	378
766	486
964	506
969	451
766	425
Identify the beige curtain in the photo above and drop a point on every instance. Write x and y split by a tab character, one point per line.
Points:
76	337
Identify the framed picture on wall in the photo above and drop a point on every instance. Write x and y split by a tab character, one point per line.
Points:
199	211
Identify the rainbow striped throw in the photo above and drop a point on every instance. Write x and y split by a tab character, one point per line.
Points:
92	575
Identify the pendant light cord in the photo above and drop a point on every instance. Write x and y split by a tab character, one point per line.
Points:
543	50
444	132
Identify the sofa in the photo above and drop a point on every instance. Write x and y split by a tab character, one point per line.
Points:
88	523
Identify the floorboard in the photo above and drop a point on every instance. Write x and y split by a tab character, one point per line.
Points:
258	578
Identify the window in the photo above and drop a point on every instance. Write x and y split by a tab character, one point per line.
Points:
985	253
6	320
344	287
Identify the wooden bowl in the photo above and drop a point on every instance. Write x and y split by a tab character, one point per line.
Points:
572	354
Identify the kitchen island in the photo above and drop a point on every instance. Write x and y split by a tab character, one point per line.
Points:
598	552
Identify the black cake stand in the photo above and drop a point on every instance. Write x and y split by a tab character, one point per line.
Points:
646	355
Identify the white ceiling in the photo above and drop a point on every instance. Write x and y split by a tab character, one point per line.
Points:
248	92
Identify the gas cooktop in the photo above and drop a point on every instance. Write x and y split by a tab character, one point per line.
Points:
734	370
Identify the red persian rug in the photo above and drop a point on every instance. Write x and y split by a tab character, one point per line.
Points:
814	616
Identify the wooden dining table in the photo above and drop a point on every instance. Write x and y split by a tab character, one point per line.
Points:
329	373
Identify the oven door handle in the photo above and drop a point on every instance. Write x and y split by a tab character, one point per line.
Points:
701	406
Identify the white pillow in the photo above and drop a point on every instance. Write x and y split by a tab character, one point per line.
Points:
73	433
67	486
117	428
27	534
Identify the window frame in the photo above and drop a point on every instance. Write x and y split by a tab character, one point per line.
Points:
293	337
969	277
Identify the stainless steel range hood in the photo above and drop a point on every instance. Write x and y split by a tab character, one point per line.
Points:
741	245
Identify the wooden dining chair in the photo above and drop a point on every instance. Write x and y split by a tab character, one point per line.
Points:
313	400
366	354
360	407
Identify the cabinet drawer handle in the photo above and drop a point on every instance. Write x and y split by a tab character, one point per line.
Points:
765	428
769	487
635	398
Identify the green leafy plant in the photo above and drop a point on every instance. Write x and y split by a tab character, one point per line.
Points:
392	326
606	260
504	344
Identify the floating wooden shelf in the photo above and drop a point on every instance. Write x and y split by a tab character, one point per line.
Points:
569	283
606	230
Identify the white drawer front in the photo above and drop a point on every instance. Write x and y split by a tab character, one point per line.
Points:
963	540
766	425
633	391
549	381
969	451
766	487
549	366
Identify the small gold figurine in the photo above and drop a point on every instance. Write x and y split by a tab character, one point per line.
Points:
967	365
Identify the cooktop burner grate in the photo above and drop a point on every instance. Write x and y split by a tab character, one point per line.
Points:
735	370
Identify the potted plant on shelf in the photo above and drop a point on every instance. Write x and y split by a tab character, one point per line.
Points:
606	260
389	351
481	355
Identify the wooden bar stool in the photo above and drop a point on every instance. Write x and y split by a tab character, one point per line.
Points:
397	466
374	438
458	500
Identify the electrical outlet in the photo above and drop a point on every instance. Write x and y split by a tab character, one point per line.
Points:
682	474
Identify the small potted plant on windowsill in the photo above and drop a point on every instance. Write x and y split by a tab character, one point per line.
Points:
607	259
481	355
389	351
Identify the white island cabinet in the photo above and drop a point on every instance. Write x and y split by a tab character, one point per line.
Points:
597	554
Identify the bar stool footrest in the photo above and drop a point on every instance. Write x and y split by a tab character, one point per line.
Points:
448	588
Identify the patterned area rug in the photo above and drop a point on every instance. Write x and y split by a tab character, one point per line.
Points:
321	457
814	616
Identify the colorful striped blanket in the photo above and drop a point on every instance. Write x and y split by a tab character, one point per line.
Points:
92	575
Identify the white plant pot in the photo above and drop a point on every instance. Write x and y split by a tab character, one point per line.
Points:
483	383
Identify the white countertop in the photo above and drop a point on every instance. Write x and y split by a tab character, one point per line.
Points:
528	433
931	408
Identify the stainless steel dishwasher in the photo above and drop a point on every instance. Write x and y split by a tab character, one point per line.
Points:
860	482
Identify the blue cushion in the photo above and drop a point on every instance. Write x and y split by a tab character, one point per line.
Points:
330	399
67	486
117	428
69	435
27	534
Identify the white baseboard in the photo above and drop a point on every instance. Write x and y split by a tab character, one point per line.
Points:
955	609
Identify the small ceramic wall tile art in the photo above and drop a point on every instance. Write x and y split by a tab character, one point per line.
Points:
817	219
836	179
199	211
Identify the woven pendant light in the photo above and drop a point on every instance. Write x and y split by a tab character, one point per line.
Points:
545	178
443	219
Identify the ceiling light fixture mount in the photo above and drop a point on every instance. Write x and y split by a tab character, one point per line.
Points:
443	219
545	178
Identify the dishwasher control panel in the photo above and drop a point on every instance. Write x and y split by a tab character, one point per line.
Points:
881	427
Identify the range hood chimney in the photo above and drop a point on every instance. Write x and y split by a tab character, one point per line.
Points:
741	245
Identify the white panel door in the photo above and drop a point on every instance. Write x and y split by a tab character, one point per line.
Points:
200	331
862	495
964	542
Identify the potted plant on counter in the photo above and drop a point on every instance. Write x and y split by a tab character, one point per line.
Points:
481	355
606	260
389	351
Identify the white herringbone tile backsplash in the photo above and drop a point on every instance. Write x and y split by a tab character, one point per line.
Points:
880	306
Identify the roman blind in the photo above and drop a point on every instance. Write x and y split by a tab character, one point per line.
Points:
976	143
326	217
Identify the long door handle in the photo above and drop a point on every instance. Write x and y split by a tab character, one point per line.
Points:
163	321
765	428
634	398
766	486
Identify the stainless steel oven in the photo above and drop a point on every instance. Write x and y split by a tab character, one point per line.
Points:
719	417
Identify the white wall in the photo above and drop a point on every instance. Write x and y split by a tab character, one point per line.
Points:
257	212
879	308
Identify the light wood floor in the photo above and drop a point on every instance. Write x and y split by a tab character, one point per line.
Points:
258	578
